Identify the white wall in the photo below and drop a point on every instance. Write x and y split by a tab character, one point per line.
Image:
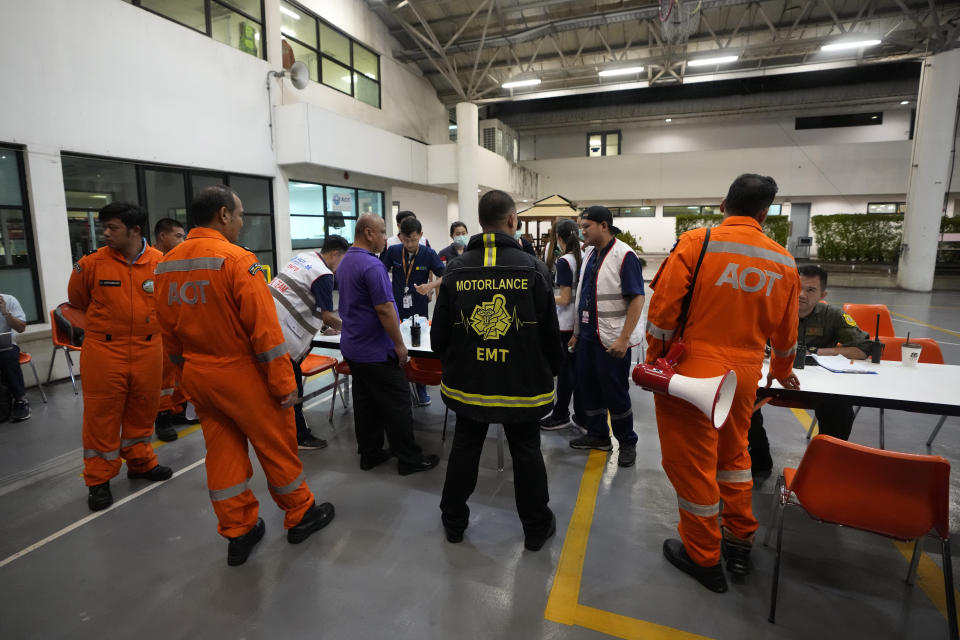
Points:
431	210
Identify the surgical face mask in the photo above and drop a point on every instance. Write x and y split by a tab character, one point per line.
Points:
518	235
460	240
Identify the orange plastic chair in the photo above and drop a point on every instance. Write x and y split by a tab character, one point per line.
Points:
898	495
342	369
25	358
931	354
426	371
62	343
866	317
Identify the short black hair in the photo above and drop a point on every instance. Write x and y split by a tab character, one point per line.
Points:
494	208
814	270
410	225
456	224
403	215
210	199
750	194
166	225
334	243
130	214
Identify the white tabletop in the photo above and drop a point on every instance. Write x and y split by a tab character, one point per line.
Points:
926	388
321	341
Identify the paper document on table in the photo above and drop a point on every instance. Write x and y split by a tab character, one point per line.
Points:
841	364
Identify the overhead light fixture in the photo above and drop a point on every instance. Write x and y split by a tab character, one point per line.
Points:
286	11
625	71
873	117
530	82
904	102
452	127
849	44
401	4
669	120
706	62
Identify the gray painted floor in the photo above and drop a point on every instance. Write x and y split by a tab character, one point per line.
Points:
154	567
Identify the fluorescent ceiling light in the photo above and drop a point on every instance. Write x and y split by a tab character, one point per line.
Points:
531	82
706	62
850	44
452	127
626	71
286	11
401	4
904	102
669	120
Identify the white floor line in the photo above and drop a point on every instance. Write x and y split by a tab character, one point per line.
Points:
95	515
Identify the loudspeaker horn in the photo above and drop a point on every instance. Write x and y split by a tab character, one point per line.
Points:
299	74
712	396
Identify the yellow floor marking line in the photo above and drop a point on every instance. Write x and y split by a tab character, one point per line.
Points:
955	334
180	434
563	604
804	419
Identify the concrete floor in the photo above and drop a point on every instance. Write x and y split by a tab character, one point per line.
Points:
154	566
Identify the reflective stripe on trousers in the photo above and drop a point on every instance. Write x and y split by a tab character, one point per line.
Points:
702	510
229	492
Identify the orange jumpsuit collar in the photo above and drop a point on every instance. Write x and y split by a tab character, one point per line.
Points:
206	232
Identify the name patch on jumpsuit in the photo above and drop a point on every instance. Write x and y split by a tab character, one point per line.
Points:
109	283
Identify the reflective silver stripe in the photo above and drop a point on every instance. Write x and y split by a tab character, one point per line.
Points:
294	312
616	313
276	352
229	492
176	359
595	412
497	401
609	296
703	510
166	392
658	333
620	416
739	248
783	354
306	297
288	488
132	441
106	455
190	264
734	475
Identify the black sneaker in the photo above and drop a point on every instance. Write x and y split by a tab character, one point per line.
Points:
454	536
164	428
551	423
316	518
710	577
239	548
156	474
426	463
99	497
535	543
737	557
368	462
20	411
310	441
591	441
627	456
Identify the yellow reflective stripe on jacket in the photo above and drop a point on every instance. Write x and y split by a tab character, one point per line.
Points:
489	250
496	401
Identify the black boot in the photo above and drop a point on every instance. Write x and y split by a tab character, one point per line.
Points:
710	577
99	497
316	518
164	428
239	548
156	474
736	555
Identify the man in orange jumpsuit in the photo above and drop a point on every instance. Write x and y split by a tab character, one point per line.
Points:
746	292
121	356
167	234
219	322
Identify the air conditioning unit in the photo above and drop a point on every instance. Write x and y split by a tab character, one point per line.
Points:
499	138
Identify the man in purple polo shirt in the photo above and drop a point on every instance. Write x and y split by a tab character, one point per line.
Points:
373	346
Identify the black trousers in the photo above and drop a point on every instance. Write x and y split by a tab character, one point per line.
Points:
302	429
11	371
834	418
381	405
529	474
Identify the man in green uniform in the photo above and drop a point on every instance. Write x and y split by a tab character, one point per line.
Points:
824	330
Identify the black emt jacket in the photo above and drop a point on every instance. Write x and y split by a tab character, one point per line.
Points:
495	326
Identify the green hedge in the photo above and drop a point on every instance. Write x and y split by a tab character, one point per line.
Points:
858	237
949	225
776	227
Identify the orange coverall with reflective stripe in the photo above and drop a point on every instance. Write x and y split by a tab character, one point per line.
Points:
746	292
220	322
120	361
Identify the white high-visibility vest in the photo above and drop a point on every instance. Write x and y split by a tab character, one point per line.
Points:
567	315
610	307
295	302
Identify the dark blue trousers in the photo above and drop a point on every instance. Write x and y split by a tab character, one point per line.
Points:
603	384
566	381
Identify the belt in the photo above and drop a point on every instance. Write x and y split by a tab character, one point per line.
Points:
108	337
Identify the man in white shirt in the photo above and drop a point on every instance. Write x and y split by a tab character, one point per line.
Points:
395	238
13	318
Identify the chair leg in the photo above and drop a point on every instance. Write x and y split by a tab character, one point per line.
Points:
948	587
346	401
936	430
333	396
914	561
343	398
443	434
37	378
881	429
73	380
499	447
855	412
775	582
812	425
777	490
52	358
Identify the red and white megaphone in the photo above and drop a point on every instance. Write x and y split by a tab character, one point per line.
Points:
713	396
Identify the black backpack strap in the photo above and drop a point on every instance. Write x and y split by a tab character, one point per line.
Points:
685	307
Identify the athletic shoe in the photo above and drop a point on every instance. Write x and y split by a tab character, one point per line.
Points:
551	423
423	400
591	441
20	410
310	441
627	456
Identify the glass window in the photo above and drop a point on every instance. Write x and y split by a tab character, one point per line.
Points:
334	44
365	61
257	233
638	212
367	90
249	7
85	232
603	143
341	200
613	144
336	76
298	24
198	182
710	210
306	55
594	145
19	282
306	198
9	178
345	227
186	12
370	202
775	210
307	232
14	249
166	196
886	207
18	269
235	30
105	181
675	210
253	192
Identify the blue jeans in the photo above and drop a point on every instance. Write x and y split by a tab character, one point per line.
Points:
603	384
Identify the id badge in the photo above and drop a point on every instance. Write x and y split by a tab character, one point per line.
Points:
585	317
407	301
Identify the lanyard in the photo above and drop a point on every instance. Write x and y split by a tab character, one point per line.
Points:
408	269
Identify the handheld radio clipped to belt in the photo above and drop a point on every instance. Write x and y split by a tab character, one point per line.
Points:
713	396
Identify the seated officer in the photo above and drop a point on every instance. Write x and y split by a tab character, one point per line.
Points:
825	330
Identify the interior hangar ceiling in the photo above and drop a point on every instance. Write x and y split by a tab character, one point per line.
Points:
469	48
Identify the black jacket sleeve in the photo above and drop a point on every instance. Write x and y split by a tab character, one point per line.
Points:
547	321
440	324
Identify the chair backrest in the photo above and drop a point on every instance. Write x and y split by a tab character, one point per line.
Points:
866	317
66	326
424	371
930	354
899	495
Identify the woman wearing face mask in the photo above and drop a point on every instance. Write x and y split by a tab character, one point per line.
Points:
567	270
459	235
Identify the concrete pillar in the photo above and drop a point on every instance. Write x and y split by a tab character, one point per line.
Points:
929	168
52	233
467	158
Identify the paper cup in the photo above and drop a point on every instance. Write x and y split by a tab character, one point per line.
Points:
910	354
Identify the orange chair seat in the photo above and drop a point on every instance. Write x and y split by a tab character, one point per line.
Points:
426	371
25	357
342	368
314	364
930	354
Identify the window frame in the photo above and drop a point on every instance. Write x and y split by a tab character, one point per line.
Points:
603	142
900	208
28	231
208	21
323	195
